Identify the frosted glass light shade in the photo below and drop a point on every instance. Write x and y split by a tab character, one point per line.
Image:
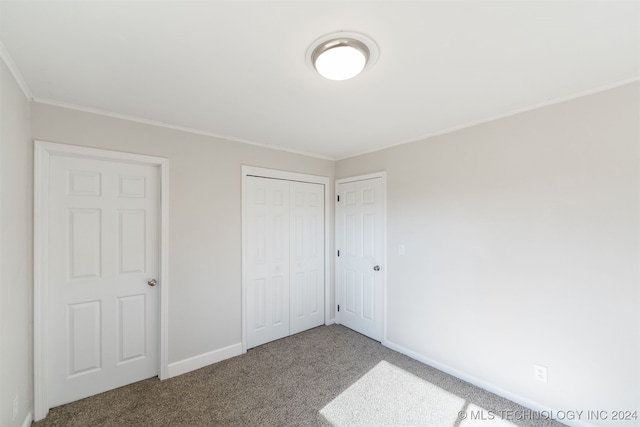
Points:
341	62
340	56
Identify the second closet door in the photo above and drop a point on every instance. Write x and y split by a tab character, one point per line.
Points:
285	256
306	256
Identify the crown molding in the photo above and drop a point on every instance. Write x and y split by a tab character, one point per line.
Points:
15	72
111	114
547	103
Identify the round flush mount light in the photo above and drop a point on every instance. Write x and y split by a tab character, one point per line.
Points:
343	55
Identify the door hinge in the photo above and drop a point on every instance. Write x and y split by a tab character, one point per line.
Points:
338	198
338	253
338	307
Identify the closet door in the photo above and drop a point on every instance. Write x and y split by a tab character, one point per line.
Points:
284	274
307	256
267	216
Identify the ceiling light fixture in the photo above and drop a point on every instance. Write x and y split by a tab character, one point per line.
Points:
342	56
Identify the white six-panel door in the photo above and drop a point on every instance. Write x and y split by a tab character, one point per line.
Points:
285	258
267	217
104	249
307	256
360	240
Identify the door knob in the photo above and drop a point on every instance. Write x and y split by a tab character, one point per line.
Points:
152	282
376	268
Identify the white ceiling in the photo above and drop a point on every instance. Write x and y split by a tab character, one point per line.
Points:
237	69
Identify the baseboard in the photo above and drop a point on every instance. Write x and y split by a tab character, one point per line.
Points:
527	403
330	321
202	360
28	420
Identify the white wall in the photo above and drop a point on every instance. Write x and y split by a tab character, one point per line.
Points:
16	265
204	215
522	247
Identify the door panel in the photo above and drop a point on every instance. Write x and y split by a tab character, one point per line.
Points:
104	248
85	226
307	256
85	345
267	216
131	328
131	241
360	240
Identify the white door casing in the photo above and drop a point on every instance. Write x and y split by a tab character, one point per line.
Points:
360	266
307	266
100	236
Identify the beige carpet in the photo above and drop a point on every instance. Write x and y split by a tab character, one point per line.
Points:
283	383
390	396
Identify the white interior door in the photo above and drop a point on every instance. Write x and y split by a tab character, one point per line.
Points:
103	245
307	256
360	242
267	216
284	258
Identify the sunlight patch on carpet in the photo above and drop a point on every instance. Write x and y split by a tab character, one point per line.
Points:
390	396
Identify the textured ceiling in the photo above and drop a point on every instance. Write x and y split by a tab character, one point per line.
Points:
237	69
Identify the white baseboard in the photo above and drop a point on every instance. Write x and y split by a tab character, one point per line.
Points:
330	321
28	420
527	403
202	360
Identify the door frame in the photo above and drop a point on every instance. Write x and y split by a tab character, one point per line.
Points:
287	176
42	157
383	176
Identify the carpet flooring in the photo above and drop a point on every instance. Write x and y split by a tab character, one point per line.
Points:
282	383
390	396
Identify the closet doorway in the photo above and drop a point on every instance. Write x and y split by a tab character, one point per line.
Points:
284	268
